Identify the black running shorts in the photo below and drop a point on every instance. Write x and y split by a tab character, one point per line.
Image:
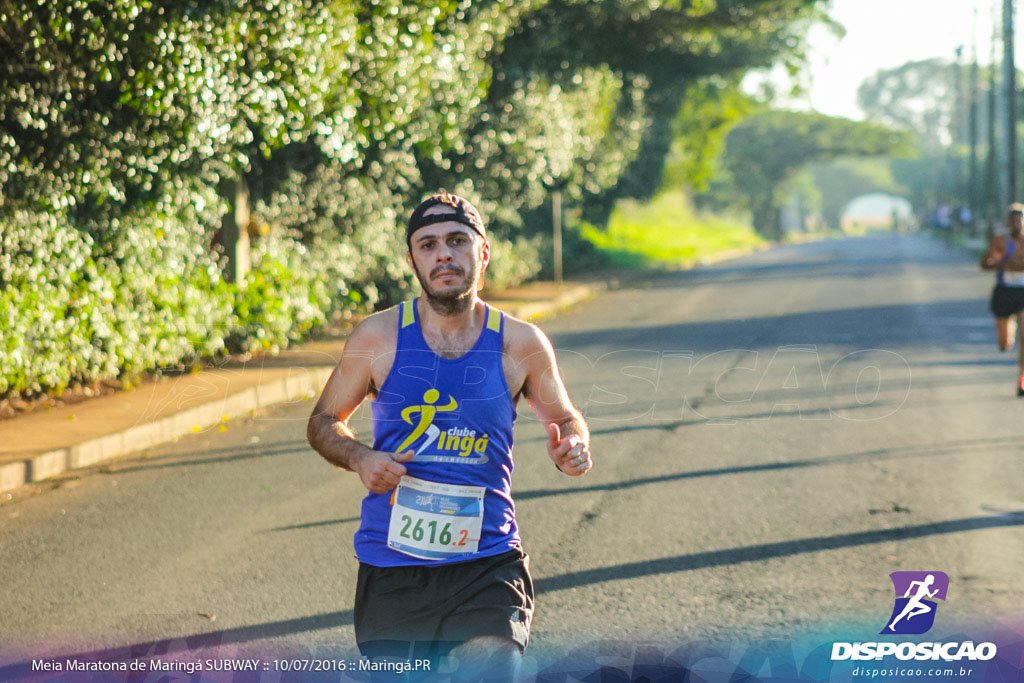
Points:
426	610
1006	301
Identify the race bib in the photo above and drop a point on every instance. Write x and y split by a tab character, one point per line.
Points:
435	521
1013	279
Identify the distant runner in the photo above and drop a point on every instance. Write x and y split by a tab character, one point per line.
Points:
1005	255
441	568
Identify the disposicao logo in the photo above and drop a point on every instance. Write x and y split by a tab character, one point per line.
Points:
913	613
916	593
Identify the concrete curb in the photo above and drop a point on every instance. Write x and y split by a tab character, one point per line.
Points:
535	310
148	434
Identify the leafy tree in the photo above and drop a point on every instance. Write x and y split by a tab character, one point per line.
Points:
671	44
843	180
918	96
117	121
930	99
107	100
710	108
121	120
763	152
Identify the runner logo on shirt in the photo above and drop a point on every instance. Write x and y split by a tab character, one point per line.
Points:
460	442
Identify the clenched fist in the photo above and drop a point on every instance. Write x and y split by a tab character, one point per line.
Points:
380	471
570	454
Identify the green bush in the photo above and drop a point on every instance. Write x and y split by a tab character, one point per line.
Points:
512	262
77	309
122	121
283	299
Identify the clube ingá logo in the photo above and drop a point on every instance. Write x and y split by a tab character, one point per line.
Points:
915	604
456	444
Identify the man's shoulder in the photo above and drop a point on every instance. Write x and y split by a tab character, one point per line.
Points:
523	338
375	329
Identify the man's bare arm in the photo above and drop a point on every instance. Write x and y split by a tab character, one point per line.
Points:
334	440
994	255
568	436
328	431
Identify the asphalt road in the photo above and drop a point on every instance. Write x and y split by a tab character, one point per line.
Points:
772	435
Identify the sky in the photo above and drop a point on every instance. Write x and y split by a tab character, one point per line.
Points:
882	34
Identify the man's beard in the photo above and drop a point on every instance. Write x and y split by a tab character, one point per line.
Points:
453	302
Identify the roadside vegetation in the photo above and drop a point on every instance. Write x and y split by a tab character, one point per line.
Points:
145	143
667	234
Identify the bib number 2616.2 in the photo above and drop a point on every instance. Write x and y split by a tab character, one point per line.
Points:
436	521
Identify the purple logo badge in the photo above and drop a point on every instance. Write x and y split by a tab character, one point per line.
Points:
916	595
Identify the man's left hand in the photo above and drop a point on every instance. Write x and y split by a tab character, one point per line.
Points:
569	454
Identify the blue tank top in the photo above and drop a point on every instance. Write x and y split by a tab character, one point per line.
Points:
457	415
1011	245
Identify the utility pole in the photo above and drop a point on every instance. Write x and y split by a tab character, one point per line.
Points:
973	205
556	210
235	230
1010	88
992	184
958	119
555	187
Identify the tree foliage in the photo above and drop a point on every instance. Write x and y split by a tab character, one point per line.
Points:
764	151
671	44
711	107
122	121
843	180
919	96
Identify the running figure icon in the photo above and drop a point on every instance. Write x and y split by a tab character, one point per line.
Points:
915	606
915	601
427	412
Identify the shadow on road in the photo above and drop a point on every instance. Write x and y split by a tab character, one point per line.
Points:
781	409
210	456
882	454
889	327
668	565
312	525
846	258
718	558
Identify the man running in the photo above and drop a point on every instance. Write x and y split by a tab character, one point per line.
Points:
440	559
1005	255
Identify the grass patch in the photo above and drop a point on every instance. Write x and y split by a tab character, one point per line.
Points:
666	234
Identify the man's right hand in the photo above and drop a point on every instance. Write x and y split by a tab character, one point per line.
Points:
380	471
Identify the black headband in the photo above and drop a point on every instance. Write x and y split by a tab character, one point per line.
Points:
461	212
